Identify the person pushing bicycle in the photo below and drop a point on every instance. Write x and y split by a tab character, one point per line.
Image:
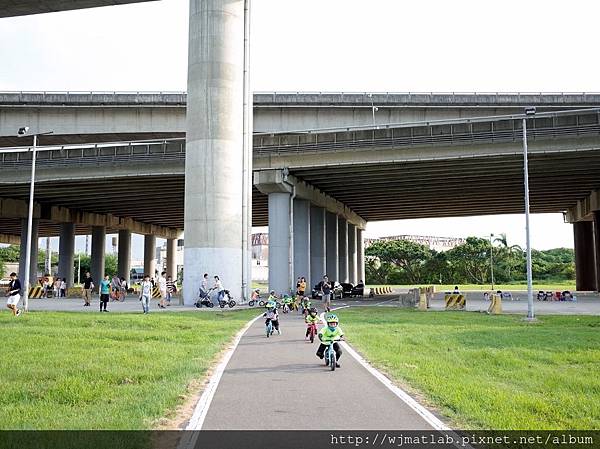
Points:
329	333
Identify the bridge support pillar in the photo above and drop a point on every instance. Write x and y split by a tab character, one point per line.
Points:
150	256
317	245
34	251
352	254
332	262
343	249
360	255
279	242
124	256
66	252
97	257
172	258
214	145
302	240
597	247
585	268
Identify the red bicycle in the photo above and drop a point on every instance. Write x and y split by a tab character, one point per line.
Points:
312	331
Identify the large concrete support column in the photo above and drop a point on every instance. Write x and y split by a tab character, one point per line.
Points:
343	249
214	145
585	270
150	256
97	258
124	260
317	245
332	261
352	254
66	252
34	251
597	248
360	255
279	242
302	240
172	258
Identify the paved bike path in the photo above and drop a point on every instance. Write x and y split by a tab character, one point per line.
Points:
279	383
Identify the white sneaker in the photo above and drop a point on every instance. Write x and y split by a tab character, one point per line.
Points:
18	312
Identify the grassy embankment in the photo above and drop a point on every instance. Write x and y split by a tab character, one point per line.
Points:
481	371
116	371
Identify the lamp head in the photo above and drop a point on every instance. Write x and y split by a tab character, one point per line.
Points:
23	130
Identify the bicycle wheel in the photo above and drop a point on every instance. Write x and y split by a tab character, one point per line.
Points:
332	359
231	303
210	305
269	329
261	303
312	335
251	303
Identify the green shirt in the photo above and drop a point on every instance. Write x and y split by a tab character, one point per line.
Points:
326	335
311	319
104	287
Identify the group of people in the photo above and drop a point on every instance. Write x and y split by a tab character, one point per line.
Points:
205	291
330	333
58	287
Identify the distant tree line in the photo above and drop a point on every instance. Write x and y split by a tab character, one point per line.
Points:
11	254
406	262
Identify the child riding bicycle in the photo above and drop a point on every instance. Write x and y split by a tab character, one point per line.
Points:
311	321
272	316
329	333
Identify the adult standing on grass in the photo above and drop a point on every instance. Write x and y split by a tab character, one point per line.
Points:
115	288
104	292
162	288
146	293
14	294
88	286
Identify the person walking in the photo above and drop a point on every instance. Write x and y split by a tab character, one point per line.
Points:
219	289
56	285
115	288
88	286
14	294
104	293
146	293
171	288
302	287
326	290
162	288
123	290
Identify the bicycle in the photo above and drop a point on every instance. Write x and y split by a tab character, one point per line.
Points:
269	328
330	355
312	331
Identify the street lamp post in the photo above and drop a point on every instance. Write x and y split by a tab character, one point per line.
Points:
373	110
530	314
492	261
22	132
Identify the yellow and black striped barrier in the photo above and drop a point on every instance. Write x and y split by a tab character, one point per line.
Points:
155	292
495	305
455	302
381	290
36	292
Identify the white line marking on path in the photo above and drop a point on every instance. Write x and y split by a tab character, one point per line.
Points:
422	411
203	404
384	302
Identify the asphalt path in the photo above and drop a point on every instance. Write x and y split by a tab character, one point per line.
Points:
279	383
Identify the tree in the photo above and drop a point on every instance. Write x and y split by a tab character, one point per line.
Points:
407	256
470	262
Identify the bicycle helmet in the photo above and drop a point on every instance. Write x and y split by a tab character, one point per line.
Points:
312	310
331	318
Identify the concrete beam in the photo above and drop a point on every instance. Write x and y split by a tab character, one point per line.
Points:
10	239
584	209
12	8
269	181
10	208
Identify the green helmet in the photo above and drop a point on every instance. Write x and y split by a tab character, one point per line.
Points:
331	318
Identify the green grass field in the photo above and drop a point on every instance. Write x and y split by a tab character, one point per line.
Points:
567	285
488	372
115	371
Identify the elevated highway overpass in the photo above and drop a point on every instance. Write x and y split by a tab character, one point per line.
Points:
445	168
403	170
